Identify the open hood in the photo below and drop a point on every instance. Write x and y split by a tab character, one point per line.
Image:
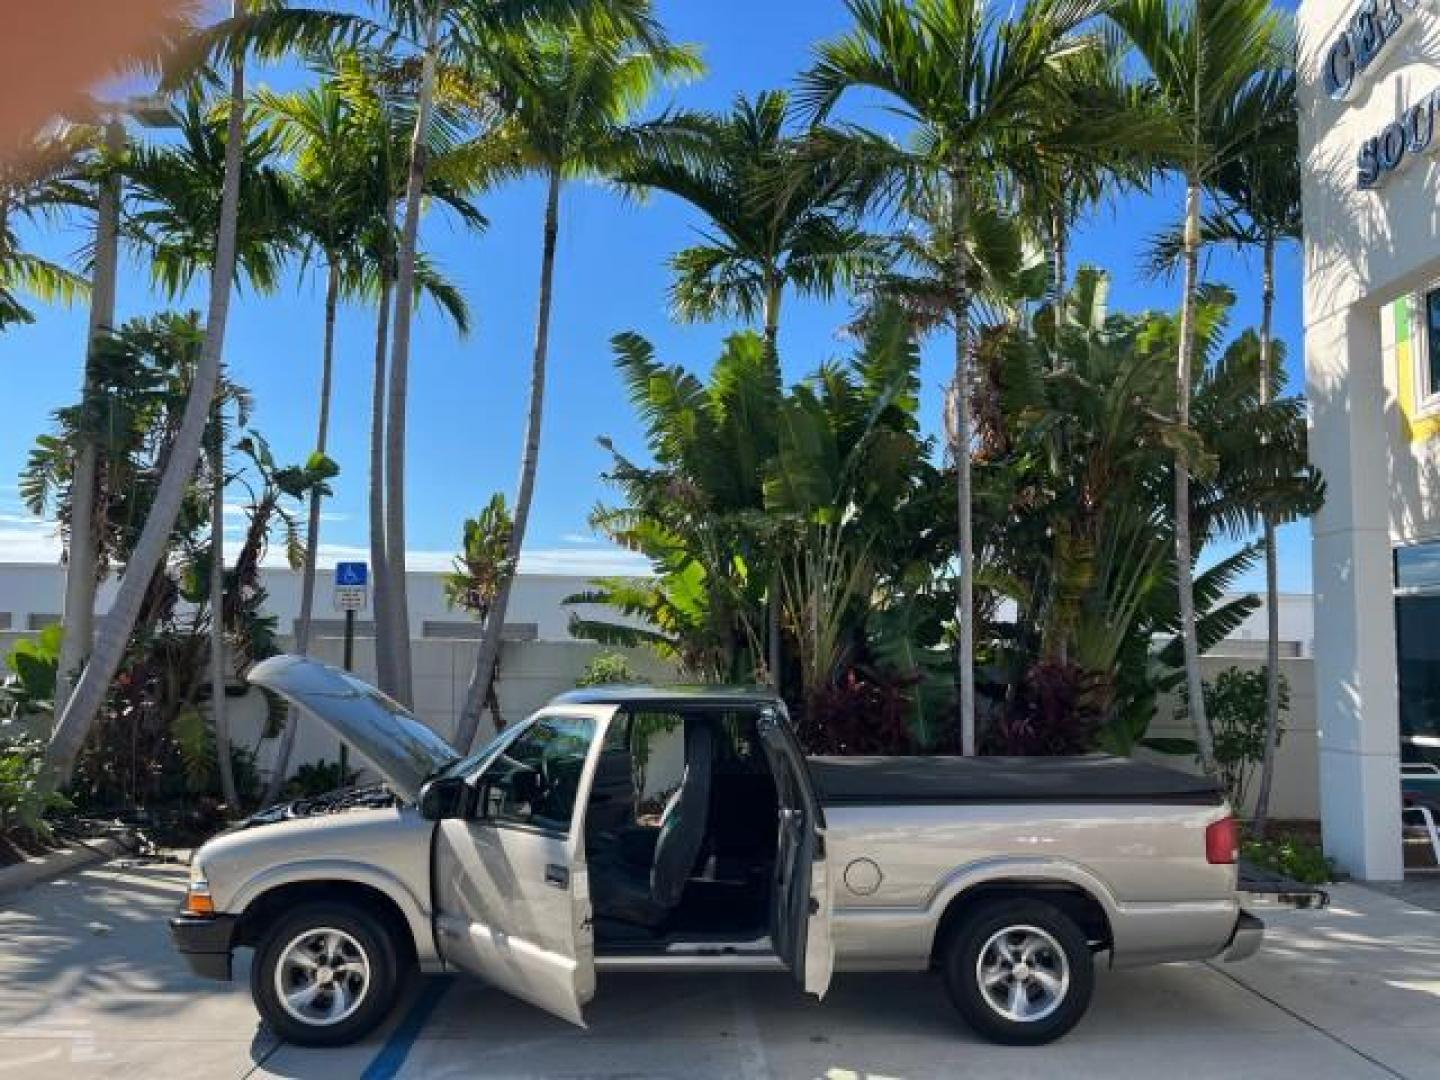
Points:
403	749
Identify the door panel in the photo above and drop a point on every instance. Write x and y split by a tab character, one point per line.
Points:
801	905
512	888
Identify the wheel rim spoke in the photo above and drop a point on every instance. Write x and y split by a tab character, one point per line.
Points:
303	997
1050	983
1018	1003
994	976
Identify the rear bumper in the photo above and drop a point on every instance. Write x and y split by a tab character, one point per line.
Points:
1245	940
206	942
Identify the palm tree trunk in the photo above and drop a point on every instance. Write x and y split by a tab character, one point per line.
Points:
478	691
1272	570
85	515
384	658
219	718
1194	685
774	298
396	595
965	604
312	534
113	634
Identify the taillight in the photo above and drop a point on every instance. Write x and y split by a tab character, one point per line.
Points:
1222	841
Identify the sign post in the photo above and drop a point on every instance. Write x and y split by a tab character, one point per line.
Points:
352	594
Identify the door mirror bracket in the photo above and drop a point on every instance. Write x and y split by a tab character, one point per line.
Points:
445	798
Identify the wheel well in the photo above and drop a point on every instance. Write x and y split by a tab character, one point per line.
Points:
1074	901
270	905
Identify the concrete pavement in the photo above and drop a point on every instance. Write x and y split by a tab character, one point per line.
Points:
89	987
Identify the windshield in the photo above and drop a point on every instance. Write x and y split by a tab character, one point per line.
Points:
473	763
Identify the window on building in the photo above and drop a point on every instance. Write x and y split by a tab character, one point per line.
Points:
1427	369
1417	646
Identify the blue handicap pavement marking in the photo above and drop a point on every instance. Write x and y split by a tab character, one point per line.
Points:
392	1055
351	573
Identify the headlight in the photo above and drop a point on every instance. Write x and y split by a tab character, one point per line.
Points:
197	897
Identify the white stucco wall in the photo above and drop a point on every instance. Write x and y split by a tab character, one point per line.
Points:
36	593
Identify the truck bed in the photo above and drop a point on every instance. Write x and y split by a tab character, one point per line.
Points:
869	781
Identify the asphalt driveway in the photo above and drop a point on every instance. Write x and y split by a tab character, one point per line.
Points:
89	987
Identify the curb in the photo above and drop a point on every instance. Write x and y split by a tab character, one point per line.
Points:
43	868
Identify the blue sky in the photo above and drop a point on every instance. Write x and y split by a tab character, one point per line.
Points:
468	396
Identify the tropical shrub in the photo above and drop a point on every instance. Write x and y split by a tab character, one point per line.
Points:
1235	706
1056	712
30	688
608	669
1298	859
24	802
860	714
811	512
152	743
1079	440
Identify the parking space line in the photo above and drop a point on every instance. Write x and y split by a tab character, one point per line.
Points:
397	1047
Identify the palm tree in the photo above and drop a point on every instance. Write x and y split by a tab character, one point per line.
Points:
1259	195
1215	67
176	188
776	219
344	139
442	33
81	578
340	137
427	36
1102	132
566	97
974	87
73	724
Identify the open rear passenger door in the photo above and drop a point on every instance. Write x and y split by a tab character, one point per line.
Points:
512	890
801	905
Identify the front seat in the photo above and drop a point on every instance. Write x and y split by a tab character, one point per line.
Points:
644	892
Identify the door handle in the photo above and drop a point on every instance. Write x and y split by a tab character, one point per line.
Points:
557	876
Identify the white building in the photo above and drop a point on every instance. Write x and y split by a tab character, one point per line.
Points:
1369	77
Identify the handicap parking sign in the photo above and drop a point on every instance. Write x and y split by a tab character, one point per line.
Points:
351	574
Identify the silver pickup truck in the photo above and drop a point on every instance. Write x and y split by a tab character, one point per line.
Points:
549	856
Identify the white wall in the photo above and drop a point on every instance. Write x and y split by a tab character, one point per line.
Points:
1296	793
32	590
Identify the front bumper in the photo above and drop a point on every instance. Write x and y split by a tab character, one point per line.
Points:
1245	940
206	942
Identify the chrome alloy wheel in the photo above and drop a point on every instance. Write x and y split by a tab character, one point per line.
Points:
1023	973
322	977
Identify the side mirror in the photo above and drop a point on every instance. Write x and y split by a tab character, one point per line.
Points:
447	797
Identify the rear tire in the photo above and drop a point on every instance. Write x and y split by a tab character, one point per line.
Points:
1020	972
326	974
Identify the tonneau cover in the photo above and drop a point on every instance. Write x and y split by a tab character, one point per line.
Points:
852	781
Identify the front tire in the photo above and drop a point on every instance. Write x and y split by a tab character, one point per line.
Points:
1019	972
326	974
